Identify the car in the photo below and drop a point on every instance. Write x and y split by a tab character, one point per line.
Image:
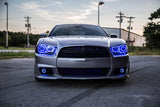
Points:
81	51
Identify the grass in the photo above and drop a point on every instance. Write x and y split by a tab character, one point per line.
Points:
15	48
9	55
143	51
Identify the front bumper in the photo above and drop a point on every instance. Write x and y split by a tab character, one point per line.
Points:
81	78
111	63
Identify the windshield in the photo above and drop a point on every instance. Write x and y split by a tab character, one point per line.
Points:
69	30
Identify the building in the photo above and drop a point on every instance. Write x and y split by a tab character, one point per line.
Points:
135	39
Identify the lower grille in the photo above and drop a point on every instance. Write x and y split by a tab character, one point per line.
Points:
83	52
83	72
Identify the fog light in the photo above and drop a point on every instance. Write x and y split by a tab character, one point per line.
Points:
43	70
121	70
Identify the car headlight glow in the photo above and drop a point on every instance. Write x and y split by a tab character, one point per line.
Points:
45	49
120	50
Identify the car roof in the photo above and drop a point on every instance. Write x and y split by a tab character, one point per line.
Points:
75	25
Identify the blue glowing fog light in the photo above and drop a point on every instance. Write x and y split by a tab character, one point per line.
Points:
46	49
43	70
121	70
120	50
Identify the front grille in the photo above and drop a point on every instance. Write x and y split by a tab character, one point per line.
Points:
83	72
83	52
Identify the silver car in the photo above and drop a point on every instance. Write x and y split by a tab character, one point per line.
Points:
81	51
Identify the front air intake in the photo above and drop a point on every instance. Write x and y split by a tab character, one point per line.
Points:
83	72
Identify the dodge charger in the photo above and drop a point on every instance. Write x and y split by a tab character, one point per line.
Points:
80	51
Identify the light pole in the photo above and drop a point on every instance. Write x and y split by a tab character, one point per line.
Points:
100	3
6	26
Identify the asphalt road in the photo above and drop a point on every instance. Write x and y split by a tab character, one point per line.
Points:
142	89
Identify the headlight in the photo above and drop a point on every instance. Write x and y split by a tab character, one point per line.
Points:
120	50
45	49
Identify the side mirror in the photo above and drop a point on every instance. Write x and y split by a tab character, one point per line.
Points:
113	36
43	35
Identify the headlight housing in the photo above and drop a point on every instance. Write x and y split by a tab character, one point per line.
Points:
120	50
46	49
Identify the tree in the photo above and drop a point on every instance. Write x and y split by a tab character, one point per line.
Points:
18	39
152	30
155	15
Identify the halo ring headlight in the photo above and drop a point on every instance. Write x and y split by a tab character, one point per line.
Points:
45	49
41	48
120	50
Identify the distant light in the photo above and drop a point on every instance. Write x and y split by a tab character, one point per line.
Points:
121	70
43	70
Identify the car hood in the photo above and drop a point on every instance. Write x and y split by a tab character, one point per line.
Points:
82	41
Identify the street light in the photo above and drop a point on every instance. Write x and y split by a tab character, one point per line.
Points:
100	3
6	26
